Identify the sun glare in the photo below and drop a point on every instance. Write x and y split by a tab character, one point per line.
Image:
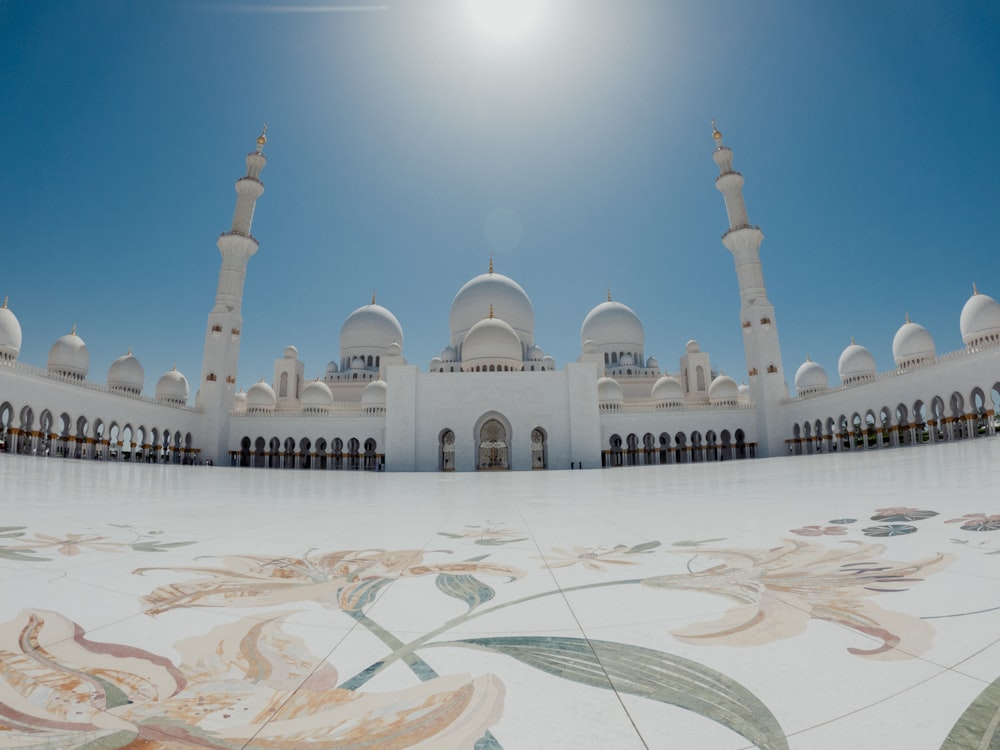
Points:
505	19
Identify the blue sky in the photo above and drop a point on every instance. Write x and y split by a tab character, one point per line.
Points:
397	129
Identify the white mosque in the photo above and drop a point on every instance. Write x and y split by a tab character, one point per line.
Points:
493	400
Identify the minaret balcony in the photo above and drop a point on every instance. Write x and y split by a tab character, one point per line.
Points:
740	229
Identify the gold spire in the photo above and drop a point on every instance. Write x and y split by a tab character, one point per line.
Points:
491	312
262	138
907	317
716	135
373	296
974	290
609	294
852	341
491	267
807	358
129	352
5	302
73	332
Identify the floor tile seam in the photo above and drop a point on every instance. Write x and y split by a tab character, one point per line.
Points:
576	619
320	662
860	709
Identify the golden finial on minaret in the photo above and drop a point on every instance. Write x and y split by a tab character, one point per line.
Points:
491	312
491	262
262	138
716	135
373	296
974	290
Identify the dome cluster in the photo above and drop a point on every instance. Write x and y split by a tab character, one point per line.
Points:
912	347
492	329
10	334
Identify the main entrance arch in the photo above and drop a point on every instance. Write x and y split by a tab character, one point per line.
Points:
492	443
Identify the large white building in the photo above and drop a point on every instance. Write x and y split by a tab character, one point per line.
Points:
493	400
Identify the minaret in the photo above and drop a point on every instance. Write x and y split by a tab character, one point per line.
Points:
760	330
222	338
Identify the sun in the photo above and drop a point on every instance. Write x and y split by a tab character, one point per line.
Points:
505	19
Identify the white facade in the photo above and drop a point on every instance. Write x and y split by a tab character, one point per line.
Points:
493	400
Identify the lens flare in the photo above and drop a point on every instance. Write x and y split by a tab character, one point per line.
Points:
505	19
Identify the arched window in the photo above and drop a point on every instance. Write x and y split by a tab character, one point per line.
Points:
539	458
446	450
283	385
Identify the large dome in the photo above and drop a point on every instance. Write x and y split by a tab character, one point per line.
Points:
980	320
612	325
126	374
811	378
371	328
491	342
69	356
856	365
510	303
10	333
912	345
172	388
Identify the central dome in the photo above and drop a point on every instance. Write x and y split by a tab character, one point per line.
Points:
614	325
510	304
371	328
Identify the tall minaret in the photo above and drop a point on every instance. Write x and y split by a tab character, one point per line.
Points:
222	339
760	330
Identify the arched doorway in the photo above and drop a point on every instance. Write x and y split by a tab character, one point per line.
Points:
494	451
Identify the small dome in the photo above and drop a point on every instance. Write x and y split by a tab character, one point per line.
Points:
332	368
652	363
491	342
291	352
448	354
980	321
912	345
668	389
609	392
856	365
357	363
394	349
435	364
549	362
613	326
261	398
374	393
240	397
126	374
369	329
535	353
316	395
811	378
692	347
69	356
172	388
10	333
723	390
745	392
589	347
627	360
509	301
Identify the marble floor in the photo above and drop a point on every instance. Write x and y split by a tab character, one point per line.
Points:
817	603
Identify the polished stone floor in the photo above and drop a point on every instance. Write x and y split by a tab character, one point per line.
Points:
813	603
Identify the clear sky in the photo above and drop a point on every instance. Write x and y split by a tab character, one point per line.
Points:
406	142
